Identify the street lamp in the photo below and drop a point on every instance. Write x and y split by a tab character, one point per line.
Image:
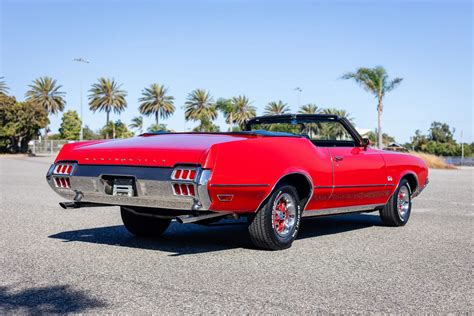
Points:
299	90
83	61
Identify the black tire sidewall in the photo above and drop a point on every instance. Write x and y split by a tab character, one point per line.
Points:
403	183
283	242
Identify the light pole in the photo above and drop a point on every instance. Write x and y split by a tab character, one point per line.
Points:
83	61
299	90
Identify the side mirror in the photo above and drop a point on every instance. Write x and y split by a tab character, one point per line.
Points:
365	142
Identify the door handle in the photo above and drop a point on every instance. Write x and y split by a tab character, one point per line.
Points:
338	158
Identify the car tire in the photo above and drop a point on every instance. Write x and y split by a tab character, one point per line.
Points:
143	226
277	222
398	208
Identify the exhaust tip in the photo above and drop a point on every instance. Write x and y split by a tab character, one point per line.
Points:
66	205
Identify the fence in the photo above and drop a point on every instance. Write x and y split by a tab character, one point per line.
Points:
459	161
47	146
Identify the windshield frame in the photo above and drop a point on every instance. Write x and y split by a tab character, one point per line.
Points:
302	119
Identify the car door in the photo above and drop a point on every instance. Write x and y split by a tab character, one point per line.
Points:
359	177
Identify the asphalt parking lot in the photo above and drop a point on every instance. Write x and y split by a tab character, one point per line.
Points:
83	260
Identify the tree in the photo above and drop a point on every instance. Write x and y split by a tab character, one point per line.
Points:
46	92
3	86
155	101
19	123
375	80
70	126
88	133
441	133
386	139
309	108
106	95
334	130
200	107
236	111
276	108
439	141
158	128
137	124
117	129
338	112
206	126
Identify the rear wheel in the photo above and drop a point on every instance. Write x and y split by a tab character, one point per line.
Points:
276	224
144	226
398	208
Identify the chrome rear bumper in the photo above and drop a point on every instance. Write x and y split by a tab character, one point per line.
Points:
153	187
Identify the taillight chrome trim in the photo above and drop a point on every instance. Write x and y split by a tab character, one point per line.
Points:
184	189
63	168
184	173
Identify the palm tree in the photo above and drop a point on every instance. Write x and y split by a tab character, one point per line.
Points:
276	108
106	95
200	106
46	92
155	101
3	86
242	110
137	124
236	110
375	80
338	112
334	130
158	128
309	108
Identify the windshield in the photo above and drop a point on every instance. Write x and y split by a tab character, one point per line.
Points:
323	130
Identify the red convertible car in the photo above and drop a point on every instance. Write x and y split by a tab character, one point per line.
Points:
280	169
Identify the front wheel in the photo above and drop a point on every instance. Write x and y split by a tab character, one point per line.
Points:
276	224
398	208
141	225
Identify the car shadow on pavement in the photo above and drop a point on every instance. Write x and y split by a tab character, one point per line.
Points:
58	299
192	239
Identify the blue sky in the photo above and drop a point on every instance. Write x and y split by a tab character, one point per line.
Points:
263	49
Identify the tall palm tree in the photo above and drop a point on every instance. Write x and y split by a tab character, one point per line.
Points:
236	110
106	95
46	92
200	107
375	80
242	110
155	101
3	86
276	108
309	108
137	124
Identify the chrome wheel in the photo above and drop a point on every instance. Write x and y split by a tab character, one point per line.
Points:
403	203
283	214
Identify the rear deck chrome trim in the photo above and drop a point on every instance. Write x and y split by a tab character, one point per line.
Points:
342	210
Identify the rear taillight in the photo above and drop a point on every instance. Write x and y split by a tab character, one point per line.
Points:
62	182
61	173
184	173
184	189
184	183
63	169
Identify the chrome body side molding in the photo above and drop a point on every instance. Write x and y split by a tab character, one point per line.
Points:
342	210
